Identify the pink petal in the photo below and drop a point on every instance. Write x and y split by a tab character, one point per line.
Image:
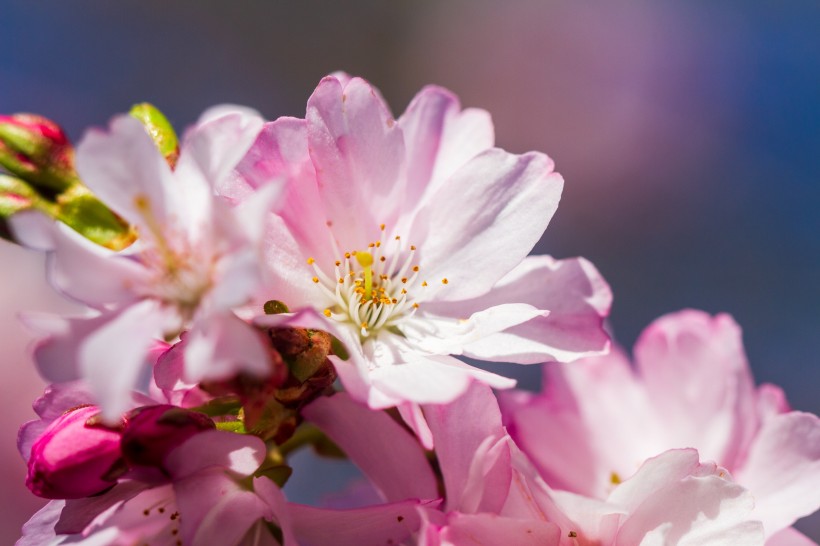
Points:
239	453
219	141
459	428
389	456
483	221
696	373
56	353
413	417
431	380
222	345
278	505
39	530
372	526
494	530
440	138
93	274
452	335
783	470
113	356
574	293
123	167
358	151
215	509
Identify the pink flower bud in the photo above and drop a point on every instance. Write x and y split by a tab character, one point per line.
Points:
152	432
75	457
37	150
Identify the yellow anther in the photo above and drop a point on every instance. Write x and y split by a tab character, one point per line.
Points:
381	227
416	268
394	300
404	280
403	291
398	237
424	283
412	247
310	261
444	280
316	279
382	259
378	244
347	255
371	245
327	313
341	280
364	326
415	306
338	263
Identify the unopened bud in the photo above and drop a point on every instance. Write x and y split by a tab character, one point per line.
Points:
74	459
160	129
37	150
304	350
152	432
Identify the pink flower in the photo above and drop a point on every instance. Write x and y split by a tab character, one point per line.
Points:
494	496
411	237
196	260
598	420
210	500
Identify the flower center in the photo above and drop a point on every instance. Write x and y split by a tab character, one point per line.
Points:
373	289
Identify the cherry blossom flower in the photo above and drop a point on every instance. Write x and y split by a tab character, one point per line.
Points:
196	259
210	500
494	496
409	238
597	421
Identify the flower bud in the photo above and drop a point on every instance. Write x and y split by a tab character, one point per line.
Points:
152	432
74	459
37	150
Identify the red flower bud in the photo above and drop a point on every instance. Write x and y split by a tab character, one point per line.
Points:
152	432
74	459
37	150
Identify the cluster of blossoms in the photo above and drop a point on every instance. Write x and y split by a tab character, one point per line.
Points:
264	287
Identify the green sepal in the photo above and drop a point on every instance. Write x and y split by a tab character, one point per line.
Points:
274	470
78	208
228	405
338	348
231	426
160	130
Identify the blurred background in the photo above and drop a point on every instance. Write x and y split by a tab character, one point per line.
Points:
688	134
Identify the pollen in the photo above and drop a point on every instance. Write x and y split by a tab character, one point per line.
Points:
412	247
381	227
424	283
444	280
327	313
404	280
398	237
338	263
316	280
311	261
416	268
415	306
